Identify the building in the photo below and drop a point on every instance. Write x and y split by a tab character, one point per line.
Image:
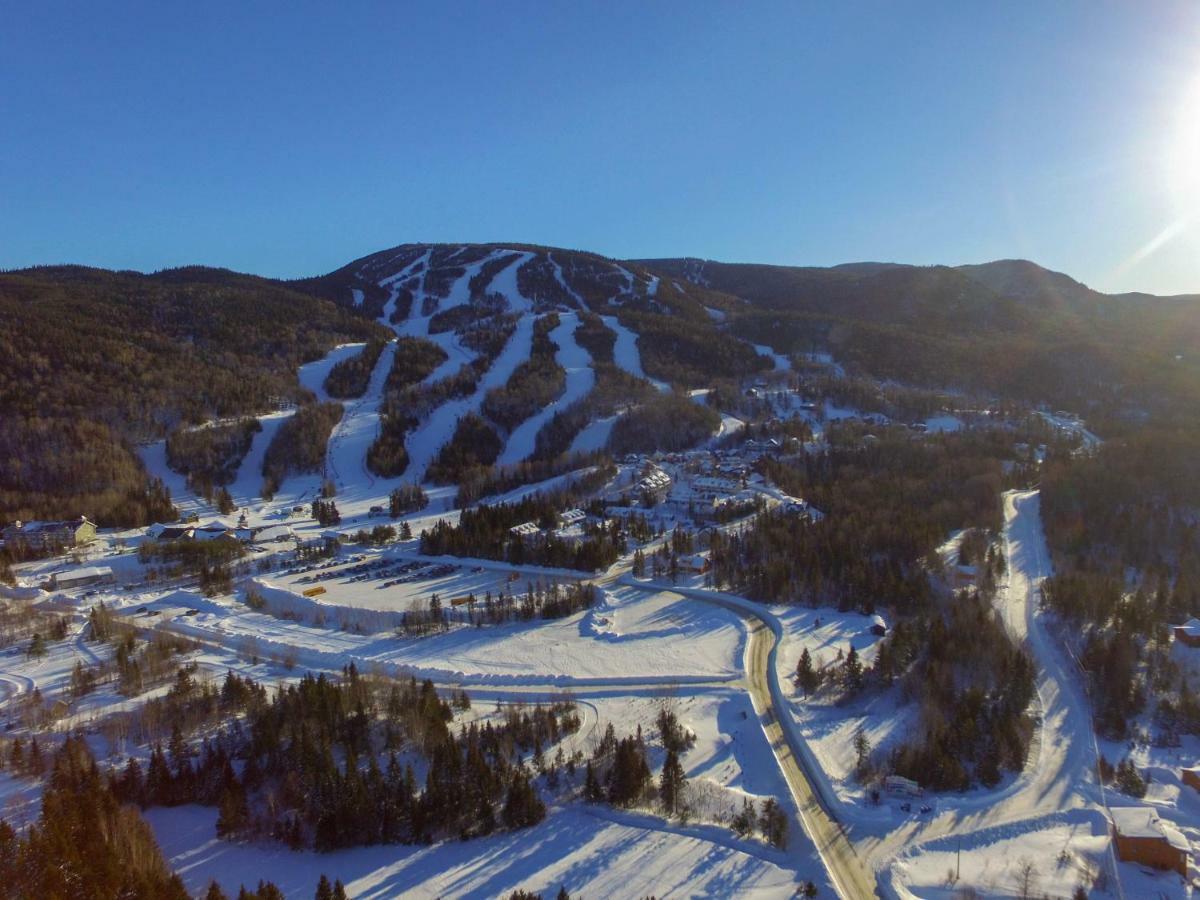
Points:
898	784
1142	837
52	536
274	534
698	563
655	483
1188	633
81	577
878	626
525	530
570	517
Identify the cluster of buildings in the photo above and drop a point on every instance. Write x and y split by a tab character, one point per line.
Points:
569	527
41	537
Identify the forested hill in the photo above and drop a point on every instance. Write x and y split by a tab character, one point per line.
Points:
1009	327
92	361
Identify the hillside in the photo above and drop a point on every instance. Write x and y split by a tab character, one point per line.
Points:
514	354
1010	327
95	361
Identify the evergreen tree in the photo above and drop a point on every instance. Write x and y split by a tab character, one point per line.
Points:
806	676
672	784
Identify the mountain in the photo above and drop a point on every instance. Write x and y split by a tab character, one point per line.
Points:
1010	328
508	353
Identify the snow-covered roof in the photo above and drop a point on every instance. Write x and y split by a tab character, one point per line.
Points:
525	529
83	573
1143	822
275	533
571	516
1191	626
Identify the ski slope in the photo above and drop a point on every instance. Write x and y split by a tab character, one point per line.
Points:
505	284
312	375
782	363
594	436
247	486
424	442
580	380
626	354
346	455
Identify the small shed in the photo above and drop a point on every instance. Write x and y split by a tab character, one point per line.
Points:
1142	837
878	626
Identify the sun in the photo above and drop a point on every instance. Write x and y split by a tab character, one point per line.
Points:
1183	158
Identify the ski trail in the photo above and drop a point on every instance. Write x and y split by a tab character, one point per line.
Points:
558	276
580	380
396	282
626	354
346	454
426	440
247	486
505	284
312	375
782	363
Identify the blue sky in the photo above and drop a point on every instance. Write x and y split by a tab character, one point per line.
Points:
288	139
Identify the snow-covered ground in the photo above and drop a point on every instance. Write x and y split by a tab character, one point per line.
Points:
424	442
579	381
312	375
782	363
626	354
595	435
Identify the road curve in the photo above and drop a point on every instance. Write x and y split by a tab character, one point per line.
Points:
850	876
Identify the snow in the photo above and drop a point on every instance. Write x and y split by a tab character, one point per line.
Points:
729	425
943	423
558	276
247	485
312	375
357	295
625	352
457	356
595	435
505	284
652	286
579	382
346	455
154	458
630	638
717	315
424	442
782	363
591	855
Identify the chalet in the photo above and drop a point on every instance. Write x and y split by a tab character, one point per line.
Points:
1140	836
1188	633
698	563
81	577
51	535
878	627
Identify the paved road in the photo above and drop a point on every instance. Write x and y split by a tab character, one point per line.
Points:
849	874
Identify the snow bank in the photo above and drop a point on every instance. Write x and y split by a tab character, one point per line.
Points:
283	602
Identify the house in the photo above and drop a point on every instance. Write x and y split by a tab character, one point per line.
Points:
51	536
699	563
878	626
898	784
1188	633
81	577
1142	837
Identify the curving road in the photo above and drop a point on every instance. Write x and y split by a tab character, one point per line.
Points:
849	874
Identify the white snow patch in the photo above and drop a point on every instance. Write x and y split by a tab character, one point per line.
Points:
625	352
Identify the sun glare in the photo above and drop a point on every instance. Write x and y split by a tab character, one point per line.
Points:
1183	162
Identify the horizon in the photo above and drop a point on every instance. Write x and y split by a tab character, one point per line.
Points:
283	145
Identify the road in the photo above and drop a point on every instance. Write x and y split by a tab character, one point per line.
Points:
849	874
